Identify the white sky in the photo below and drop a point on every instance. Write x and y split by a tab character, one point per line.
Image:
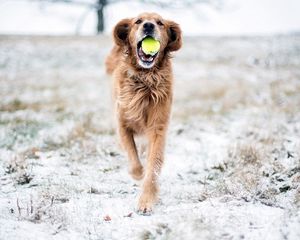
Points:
238	17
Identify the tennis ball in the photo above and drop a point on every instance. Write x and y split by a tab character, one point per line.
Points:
150	45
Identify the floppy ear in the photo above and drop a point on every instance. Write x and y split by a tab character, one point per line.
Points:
174	33
121	31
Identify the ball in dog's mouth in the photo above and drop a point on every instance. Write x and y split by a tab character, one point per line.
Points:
146	60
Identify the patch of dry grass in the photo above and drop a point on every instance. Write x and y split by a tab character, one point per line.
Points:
250	172
18	169
17	105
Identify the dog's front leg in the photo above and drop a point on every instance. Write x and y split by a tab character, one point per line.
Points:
135	167
153	168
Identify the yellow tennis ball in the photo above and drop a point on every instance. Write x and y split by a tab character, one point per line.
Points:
150	45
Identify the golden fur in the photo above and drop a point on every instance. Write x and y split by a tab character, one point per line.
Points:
143	96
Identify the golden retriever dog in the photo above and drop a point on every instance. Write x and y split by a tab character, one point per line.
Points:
142	90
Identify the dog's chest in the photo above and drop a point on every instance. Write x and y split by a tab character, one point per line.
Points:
139	96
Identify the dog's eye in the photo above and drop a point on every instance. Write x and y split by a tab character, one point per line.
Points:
160	23
139	21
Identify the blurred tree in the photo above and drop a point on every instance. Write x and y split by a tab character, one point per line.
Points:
100	15
100	5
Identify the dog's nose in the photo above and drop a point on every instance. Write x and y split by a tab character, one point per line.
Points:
148	27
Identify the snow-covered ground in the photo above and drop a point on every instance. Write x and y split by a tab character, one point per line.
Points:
232	167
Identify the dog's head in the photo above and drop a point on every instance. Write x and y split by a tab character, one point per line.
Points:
129	33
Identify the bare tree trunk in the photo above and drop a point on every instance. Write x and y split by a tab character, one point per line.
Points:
100	15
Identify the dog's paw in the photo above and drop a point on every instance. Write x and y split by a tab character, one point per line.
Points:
137	173
145	204
145	212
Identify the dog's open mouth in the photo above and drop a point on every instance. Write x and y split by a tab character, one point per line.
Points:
146	59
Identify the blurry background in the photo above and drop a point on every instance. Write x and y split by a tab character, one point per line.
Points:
209	17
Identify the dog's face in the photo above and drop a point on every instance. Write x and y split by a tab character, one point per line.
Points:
130	33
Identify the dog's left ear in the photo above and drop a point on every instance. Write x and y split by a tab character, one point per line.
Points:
121	32
175	39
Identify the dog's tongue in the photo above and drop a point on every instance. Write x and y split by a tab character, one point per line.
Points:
145	57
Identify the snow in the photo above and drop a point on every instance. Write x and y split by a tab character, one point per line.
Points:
232	156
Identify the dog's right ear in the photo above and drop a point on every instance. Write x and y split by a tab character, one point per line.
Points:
121	31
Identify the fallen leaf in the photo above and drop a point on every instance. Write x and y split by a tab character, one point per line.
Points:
129	215
107	218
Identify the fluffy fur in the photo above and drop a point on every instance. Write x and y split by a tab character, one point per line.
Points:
143	95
